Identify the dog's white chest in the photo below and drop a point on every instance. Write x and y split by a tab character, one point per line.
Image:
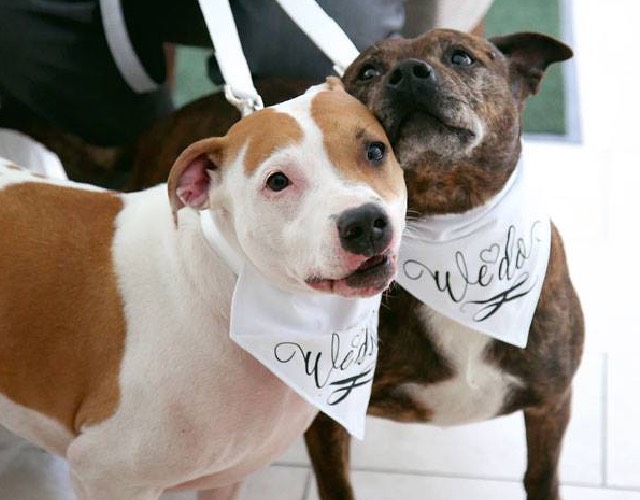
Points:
477	390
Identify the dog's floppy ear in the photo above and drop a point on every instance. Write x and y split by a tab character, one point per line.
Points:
193	173
529	54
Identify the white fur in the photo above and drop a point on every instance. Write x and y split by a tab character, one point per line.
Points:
478	388
49	434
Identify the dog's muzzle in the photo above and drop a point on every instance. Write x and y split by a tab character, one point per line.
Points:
365	234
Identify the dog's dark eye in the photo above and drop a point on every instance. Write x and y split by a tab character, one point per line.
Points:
375	152
461	58
368	72
277	181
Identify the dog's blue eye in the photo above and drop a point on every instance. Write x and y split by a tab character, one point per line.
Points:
461	58
368	72
375	152
277	181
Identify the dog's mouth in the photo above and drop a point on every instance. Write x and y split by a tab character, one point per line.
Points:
370	278
423	121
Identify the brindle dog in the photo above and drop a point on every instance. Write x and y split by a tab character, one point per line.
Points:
452	106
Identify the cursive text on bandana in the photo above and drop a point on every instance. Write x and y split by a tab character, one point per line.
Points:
483	268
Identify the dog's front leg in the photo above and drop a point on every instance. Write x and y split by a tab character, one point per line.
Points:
231	492
545	429
329	447
99	472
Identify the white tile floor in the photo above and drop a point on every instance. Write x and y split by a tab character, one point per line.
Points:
591	187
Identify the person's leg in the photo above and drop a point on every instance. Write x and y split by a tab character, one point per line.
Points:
57	65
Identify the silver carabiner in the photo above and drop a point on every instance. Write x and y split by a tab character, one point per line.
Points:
246	105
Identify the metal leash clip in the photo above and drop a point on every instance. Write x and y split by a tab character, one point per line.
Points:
307	14
246	105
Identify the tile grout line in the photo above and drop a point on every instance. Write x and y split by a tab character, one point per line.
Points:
435	474
605	418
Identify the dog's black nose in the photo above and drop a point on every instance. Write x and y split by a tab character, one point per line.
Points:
410	75
365	230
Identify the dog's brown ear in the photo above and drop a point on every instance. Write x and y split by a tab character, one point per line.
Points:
192	174
529	55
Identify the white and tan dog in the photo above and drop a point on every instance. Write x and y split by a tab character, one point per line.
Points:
114	309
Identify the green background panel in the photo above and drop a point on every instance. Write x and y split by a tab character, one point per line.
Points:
545	112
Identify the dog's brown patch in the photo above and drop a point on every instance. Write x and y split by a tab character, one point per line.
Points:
263	133
62	326
347	141
209	116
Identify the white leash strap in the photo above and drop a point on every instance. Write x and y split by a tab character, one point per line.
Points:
239	89
124	55
323	31
307	14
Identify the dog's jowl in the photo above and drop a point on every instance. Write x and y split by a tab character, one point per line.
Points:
485	320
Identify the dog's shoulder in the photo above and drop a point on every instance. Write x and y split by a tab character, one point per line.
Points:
56	204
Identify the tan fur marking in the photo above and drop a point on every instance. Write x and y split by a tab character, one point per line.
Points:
62	326
347	147
266	130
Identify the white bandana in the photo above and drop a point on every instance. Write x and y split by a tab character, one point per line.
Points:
483	268
322	346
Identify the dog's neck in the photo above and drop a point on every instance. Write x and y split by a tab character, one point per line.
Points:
278	327
216	239
444	227
482	268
